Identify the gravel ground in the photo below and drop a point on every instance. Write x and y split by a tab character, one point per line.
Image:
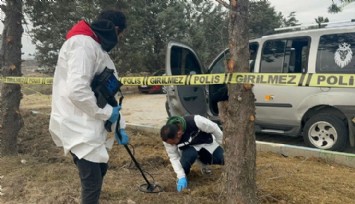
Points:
145	109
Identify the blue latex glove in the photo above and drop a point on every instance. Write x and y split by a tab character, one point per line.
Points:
124	137
181	184
114	114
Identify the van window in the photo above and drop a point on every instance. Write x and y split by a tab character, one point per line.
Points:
183	61
220	64
336	53
285	55
219	92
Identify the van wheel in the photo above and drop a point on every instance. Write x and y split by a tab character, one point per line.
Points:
325	132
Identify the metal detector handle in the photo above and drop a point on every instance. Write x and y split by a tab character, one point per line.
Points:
108	124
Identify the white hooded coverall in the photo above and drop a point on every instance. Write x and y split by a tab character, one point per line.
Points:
76	122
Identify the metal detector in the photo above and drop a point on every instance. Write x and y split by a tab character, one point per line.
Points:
105	86
148	187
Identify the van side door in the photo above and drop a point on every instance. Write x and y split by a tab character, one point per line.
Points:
276	105
184	99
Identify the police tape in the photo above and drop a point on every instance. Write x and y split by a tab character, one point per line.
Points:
284	79
313	80
27	80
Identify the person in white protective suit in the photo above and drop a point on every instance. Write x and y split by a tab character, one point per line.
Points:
76	121
189	139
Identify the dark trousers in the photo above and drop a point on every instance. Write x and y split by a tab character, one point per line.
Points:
91	178
189	156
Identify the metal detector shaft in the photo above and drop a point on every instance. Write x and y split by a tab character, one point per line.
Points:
137	165
150	187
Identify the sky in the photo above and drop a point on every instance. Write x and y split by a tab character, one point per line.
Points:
306	12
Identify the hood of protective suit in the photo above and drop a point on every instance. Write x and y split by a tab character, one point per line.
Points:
82	28
102	31
106	32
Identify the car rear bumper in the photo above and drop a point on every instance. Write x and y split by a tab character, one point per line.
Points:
150	89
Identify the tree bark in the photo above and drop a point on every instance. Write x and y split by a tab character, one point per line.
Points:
10	118
239	115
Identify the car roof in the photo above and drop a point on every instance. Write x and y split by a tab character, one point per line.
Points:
310	32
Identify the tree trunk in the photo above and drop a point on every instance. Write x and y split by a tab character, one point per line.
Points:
239	115
10	119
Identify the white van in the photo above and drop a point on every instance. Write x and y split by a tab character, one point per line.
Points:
325	116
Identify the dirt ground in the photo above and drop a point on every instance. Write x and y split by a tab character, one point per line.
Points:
41	174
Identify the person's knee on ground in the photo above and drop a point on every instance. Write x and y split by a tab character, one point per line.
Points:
205	169
217	157
206	158
188	157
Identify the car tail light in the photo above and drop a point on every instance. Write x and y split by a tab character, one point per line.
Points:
155	88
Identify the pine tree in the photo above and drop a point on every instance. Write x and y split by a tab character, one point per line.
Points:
51	20
239	114
10	118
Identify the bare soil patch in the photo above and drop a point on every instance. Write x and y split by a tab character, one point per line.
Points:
41	174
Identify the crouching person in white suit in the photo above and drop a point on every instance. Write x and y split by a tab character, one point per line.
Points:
189	139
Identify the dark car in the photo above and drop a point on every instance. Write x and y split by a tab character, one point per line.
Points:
154	89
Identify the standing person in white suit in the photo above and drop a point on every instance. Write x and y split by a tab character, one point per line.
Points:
76	121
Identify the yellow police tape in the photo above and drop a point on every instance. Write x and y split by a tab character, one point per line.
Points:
313	80
316	80
27	80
